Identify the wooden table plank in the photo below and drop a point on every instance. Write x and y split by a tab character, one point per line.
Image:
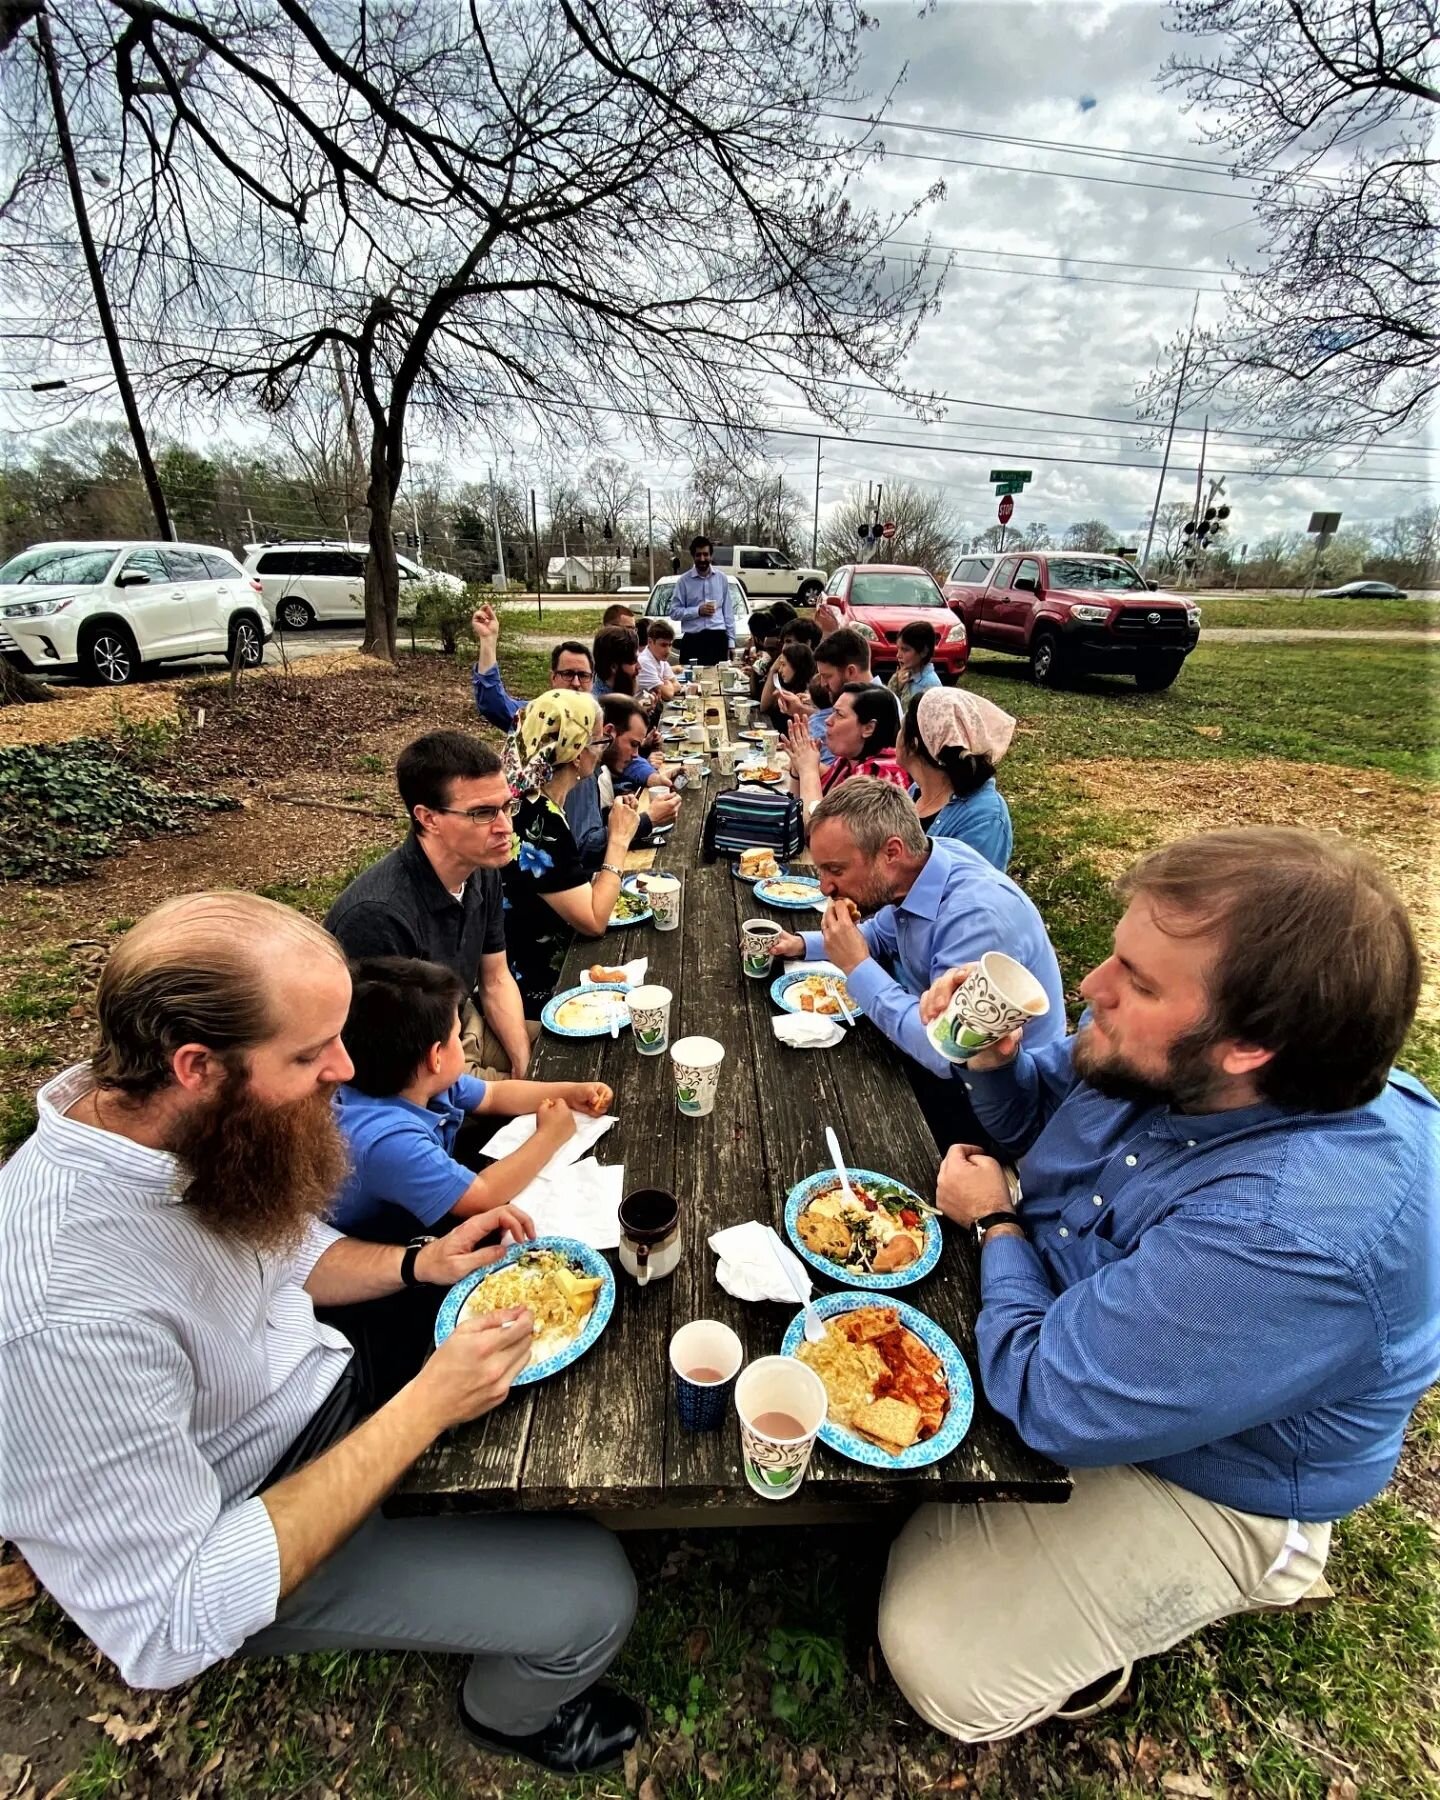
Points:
604	1434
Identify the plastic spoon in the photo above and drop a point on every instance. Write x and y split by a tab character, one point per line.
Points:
814	1326
833	1145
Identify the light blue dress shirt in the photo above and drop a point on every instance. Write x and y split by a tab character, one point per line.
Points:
960	907
691	591
1246	1303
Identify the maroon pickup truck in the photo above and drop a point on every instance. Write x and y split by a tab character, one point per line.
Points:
1070	612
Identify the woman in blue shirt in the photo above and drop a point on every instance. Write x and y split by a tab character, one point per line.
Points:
950	742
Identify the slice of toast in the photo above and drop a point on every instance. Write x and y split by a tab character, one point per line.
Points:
893	1424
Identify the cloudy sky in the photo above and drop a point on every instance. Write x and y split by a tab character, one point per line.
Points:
1073	266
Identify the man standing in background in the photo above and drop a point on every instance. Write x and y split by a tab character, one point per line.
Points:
701	607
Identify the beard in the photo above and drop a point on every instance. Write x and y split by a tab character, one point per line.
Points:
1188	1084
257	1174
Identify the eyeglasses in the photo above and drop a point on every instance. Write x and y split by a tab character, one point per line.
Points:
480	815
575	675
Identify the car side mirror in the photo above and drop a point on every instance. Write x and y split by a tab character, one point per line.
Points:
133	578
1153	586
1027	584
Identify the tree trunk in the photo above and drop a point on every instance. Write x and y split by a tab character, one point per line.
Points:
17	687
382	572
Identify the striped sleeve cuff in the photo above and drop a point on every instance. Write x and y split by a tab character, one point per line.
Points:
239	1576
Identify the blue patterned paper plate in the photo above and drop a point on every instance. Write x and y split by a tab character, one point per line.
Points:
631	883
807	1190
639	918
764	891
549	1017
962	1390
780	993
581	1257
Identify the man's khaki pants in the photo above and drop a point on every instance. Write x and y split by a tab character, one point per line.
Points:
993	1616
484	1054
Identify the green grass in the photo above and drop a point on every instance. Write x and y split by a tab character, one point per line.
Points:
1287	612
43	987
318	893
1363	705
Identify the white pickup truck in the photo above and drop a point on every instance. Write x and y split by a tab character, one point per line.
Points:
768	574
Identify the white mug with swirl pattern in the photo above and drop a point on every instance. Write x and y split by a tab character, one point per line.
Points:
998	996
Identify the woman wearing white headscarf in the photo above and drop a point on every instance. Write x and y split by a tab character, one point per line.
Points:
950	742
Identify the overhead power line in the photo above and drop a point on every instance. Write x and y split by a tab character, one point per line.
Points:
966	162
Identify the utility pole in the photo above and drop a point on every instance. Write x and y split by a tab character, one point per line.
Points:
650	535
815	528
149	473
535	533
1200	471
499	541
1170	437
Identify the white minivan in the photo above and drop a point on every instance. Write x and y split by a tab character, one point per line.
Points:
104	610
324	583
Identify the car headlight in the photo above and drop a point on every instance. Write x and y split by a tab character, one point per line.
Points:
1192	613
36	609
955	635
1092	615
866	631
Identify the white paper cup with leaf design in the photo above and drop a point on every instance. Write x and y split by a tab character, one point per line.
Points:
781	1404
997	997
649	1009
696	1062
662	891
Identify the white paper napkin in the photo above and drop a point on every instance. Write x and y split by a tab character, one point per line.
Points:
634	974
581	1202
807	1031
588	1133
747	1264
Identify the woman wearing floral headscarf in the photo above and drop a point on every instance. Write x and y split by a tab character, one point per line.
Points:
558	742
950	742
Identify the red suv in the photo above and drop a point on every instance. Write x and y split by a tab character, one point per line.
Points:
1072	611
880	599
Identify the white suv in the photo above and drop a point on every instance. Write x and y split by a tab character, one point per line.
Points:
106	609
322	583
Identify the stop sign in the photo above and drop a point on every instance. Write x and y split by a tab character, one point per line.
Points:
1005	509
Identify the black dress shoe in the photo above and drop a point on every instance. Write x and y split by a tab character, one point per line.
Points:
589	1733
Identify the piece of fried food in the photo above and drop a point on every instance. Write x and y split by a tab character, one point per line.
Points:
597	972
893	1424
869	1322
853	909
827	1237
899	1253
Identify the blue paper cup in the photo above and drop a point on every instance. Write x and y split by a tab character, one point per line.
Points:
706	1357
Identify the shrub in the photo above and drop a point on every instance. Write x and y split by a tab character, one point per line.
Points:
446	613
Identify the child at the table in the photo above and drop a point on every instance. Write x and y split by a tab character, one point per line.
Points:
402	1110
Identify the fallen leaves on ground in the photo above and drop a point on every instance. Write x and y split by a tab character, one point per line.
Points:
1194	1787
17	1585
124	1731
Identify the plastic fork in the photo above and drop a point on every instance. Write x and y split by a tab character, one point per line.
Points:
814	1325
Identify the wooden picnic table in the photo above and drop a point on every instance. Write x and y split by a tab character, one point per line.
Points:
603	1435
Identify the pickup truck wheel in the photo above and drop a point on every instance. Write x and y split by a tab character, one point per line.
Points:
1047	663
810	592
1152	677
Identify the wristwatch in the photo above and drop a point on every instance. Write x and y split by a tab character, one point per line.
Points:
611	869
997	1218
407	1261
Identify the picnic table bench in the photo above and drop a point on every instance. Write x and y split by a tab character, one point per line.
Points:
603	1435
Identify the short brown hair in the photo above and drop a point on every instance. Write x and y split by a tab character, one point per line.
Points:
193	972
659	629
844	649
1317	964
617	614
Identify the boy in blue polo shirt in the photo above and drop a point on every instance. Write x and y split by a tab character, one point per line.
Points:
403	1108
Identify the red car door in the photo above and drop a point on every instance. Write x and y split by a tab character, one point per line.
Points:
1003	615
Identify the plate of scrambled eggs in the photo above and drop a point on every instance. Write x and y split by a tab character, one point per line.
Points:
568	1287
898	1391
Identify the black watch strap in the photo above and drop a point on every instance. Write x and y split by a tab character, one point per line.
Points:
407	1261
997	1218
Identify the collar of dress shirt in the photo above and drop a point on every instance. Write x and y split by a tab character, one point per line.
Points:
928	889
1201	1128
68	1143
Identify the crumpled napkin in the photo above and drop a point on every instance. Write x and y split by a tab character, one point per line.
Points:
582	1201
747	1267
518	1131
807	1031
634	974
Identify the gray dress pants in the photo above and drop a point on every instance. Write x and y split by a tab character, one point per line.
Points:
541	1605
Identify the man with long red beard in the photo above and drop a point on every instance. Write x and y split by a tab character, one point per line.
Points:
190	1461
1217	1297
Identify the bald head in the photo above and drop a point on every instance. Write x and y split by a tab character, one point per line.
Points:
208	969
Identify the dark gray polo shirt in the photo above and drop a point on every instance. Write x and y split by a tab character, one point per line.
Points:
400	907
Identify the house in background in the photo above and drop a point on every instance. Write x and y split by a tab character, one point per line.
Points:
588	574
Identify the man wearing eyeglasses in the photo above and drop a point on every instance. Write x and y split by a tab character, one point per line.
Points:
571	670
438	896
700	605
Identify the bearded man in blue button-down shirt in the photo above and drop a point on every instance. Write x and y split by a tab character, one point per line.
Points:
1218	1299
700	605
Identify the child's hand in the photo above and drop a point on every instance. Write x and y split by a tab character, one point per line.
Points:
520	1225
554	1122
589	1097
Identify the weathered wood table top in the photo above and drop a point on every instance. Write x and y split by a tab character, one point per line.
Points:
603	1435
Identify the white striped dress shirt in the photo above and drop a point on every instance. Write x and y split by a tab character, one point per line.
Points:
151	1375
